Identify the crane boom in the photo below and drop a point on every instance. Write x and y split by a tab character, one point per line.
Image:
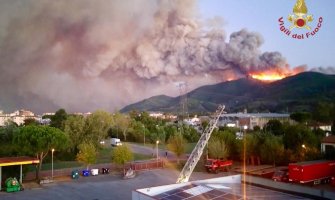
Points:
199	148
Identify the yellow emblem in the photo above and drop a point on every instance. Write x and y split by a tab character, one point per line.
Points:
300	18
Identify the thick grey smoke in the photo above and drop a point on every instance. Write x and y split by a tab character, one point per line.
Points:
83	55
324	70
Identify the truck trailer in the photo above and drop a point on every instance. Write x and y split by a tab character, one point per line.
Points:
314	172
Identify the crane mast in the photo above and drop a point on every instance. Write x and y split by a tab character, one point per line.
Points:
199	148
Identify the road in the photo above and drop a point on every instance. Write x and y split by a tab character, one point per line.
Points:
150	151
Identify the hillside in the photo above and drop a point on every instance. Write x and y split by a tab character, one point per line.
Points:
299	92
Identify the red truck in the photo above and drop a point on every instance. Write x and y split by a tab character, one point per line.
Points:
313	172
215	165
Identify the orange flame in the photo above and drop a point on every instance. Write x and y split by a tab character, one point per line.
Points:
267	76
276	74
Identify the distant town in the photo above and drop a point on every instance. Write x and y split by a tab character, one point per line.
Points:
234	120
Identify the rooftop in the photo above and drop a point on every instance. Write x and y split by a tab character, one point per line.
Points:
258	115
329	139
9	161
223	188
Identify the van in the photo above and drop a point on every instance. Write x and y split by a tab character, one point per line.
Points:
116	142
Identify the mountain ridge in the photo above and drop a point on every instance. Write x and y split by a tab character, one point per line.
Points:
294	93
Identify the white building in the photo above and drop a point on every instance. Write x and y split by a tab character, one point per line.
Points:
192	121
18	117
160	115
251	119
156	114
324	127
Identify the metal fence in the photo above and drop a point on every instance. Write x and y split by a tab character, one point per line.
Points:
136	165
145	165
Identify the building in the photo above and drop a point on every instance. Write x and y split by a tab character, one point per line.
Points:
17	117
328	144
322	126
156	115
195	121
251	119
159	115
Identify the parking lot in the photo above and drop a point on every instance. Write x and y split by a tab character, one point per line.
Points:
104	187
101	187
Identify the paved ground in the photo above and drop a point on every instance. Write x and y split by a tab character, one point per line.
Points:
102	187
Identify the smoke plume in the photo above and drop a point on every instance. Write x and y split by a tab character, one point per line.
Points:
324	70
83	55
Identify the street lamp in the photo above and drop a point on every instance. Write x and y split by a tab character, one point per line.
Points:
143	134
52	163
245	127
157	142
304	148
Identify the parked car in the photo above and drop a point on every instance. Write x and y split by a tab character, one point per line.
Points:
281	175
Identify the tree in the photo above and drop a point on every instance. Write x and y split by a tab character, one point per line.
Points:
39	140
302	142
170	130
293	137
274	126
297	135
217	148
122	154
323	112
122	122
301	117
96	127
229	138
252	143
190	134
87	154
6	136
74	128
176	144
58	119
136	131
272	149
160	134
204	124
30	121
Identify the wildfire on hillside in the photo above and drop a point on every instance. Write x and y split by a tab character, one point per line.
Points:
277	74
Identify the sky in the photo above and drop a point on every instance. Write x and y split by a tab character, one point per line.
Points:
84	55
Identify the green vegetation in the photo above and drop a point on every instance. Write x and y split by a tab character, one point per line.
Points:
58	119
87	154
217	147
103	156
122	154
189	147
176	144
277	143
298	93
38	141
